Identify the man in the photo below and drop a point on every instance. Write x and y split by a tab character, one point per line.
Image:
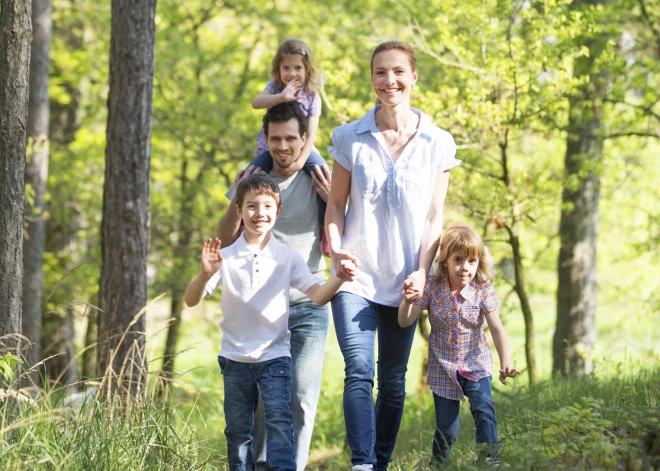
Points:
297	227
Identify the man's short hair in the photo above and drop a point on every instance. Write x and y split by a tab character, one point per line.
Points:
260	184
283	113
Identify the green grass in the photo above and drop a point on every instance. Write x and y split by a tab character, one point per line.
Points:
623	390
591	423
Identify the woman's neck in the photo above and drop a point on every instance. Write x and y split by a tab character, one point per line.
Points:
394	117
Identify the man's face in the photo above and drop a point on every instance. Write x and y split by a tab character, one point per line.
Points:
284	143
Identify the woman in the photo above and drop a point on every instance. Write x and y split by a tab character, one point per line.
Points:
393	163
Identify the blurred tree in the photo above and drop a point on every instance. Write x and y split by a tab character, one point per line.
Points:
36	177
15	38
125	227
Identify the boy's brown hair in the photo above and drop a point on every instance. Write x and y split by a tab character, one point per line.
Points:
260	184
464	240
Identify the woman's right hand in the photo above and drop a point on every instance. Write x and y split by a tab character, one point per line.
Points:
345	264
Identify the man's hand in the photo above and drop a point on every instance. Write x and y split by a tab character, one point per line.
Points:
244	173
413	286
290	92
211	258
508	373
322	178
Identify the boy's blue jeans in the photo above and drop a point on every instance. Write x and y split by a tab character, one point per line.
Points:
242	383
447	419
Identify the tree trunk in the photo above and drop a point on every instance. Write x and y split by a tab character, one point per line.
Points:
125	227
89	357
36	176
58	341
15	37
575	333
173	332
530	341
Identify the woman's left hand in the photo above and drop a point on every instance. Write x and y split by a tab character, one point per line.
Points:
413	286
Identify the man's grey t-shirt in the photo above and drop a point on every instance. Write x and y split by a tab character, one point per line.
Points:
297	226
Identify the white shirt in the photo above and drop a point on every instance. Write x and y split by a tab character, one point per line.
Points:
255	298
388	201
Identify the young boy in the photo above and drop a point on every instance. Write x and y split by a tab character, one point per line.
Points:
256	273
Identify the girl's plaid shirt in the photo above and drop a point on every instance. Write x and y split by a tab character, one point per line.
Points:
457	341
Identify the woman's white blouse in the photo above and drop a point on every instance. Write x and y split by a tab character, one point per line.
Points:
388	202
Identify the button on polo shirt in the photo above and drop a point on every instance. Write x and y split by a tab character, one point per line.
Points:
255	298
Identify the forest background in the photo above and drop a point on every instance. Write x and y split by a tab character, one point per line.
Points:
554	107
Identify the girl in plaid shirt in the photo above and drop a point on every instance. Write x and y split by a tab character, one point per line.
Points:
458	300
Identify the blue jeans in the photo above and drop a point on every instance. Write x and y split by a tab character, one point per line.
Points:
242	382
265	162
308	324
371	431
447	419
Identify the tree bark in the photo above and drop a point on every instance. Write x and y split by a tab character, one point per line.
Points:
125	227
36	176
15	37
575	332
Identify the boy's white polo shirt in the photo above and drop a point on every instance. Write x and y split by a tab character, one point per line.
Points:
255	298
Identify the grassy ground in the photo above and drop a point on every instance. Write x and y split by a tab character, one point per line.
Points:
540	428
598	422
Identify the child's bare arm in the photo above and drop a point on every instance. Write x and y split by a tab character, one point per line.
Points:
322	294
408	313
266	99
501	342
211	260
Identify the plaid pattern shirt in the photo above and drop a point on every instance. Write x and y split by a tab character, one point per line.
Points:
457	341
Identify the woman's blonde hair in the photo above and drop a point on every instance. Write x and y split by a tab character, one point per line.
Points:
399	46
464	240
292	47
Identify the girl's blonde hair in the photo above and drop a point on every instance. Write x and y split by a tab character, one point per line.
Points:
292	47
464	240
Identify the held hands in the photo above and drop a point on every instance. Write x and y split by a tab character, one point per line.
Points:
508	373
345	264
322	178
211	258
413	286
348	270
290	92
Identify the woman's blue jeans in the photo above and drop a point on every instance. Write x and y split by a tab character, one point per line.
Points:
242	382
371	430
447	419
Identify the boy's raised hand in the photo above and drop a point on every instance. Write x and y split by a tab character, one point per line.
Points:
211	258
508	373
